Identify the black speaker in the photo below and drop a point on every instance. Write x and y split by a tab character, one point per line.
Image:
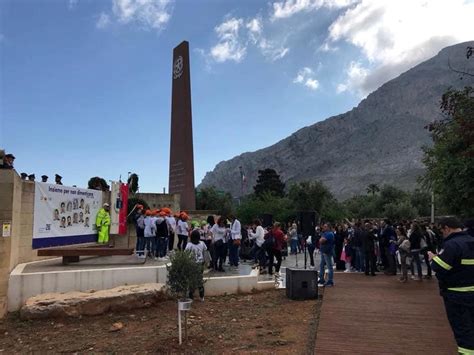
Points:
301	284
306	222
267	220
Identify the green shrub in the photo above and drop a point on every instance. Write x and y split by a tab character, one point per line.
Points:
183	274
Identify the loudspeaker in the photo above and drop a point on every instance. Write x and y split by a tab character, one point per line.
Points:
301	284
306	222
267	220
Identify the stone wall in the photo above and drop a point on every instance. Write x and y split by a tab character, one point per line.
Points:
161	200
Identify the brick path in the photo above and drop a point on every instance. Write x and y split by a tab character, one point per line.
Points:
379	315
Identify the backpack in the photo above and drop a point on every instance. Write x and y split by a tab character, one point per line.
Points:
269	242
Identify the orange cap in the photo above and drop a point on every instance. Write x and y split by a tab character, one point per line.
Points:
147	213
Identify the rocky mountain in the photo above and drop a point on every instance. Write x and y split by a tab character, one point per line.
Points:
379	141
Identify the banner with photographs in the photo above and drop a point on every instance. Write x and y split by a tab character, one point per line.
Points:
64	215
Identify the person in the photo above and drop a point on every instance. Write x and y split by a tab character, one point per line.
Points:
31	177
63	207
359	250
218	233
415	248
171	228
368	238
57	179
150	233
81	204
102	223
44	178
182	230
403	245
454	267
63	222
86	222
161	235
234	242
259	237
56	215
81	217
340	235
139	221
275	250
210	221
293	234
8	161
197	248
75	217
69	221
388	239
23	176
327	243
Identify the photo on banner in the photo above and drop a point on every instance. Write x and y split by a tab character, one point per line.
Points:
64	215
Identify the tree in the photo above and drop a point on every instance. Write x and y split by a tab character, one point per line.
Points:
208	198
450	161
132	182
253	207
373	189
269	181
98	183
309	195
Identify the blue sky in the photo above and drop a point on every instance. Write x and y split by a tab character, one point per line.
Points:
85	85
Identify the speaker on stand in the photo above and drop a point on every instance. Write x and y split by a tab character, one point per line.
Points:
306	222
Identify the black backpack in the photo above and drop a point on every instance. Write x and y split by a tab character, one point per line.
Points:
269	242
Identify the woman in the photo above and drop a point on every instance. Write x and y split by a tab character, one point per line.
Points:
293	234
275	251
415	247
197	248
218	233
210	246
183	231
149	232
404	249
259	238
340	235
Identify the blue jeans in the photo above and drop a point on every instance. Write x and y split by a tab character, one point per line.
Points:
326	260
140	245
415	258
150	245
294	246
161	246
359	259
233	254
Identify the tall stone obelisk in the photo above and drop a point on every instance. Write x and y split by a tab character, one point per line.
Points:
181	174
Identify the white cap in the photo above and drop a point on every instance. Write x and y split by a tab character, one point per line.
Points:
106	205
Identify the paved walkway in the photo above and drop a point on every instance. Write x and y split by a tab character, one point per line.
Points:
379	315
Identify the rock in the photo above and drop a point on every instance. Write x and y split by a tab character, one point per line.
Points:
379	141
116	327
259	326
76	304
234	320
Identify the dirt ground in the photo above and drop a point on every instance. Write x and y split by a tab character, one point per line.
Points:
263	323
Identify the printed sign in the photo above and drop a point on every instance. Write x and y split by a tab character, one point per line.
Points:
7	229
64	215
118	208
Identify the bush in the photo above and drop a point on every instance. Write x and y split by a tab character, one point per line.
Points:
183	274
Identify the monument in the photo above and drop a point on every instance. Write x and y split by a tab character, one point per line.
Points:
181	173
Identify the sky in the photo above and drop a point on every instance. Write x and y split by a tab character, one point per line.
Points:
85	85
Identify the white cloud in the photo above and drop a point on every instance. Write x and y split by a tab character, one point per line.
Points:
103	21
230	46
288	8
396	35
235	35
306	77
72	4
149	14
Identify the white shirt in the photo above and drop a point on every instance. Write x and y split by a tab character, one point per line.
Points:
235	231
218	233
259	235
182	227
150	227
198	251
171	224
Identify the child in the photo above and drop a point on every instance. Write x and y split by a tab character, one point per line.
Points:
197	248
150	232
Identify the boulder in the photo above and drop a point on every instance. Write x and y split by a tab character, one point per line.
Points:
75	304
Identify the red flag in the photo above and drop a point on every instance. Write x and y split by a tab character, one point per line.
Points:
123	209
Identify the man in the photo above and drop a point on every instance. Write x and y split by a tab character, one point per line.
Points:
103	224
358	248
326	242
44	178
236	236
387	239
57	179
454	267
368	244
8	160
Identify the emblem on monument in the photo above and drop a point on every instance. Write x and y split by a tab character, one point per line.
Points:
178	67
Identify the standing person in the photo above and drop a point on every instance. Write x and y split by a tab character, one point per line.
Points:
150	233
235	239
389	237
197	249
259	237
327	243
218	232
428	236
454	267
161	235
182	229
404	249
275	250
415	248
102	222
139	220
368	238
171	228
209	244
293	234
340	238
358	248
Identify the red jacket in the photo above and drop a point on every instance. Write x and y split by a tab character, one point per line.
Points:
279	239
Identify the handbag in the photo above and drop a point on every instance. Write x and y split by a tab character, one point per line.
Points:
405	246
236	242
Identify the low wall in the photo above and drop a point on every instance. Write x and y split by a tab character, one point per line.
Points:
25	285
